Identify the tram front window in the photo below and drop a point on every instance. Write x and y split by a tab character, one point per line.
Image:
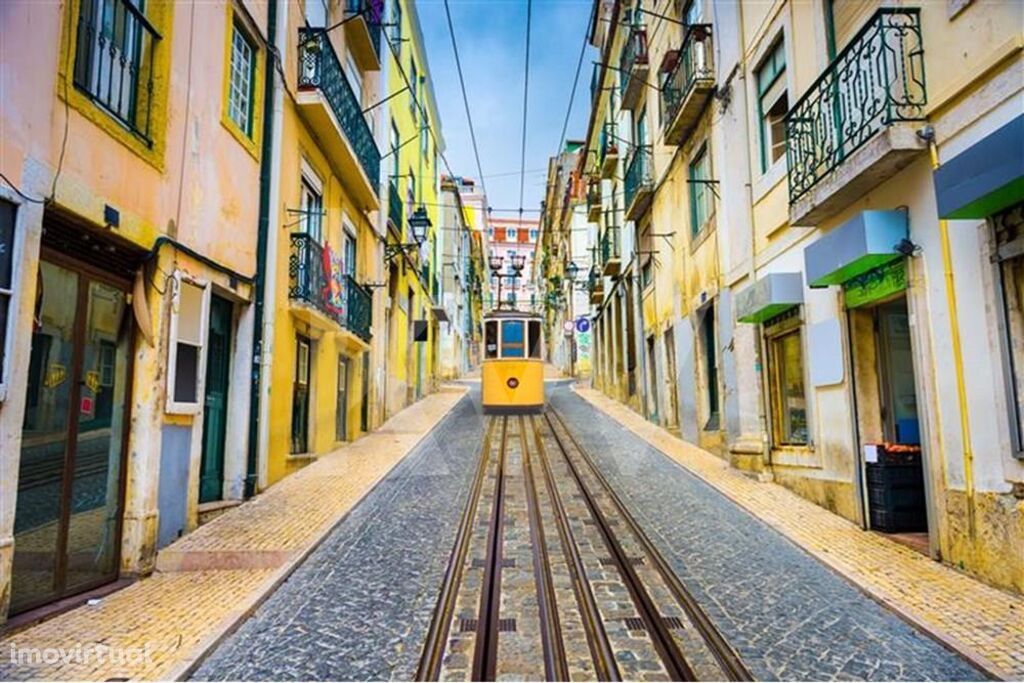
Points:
513	342
534	339
491	339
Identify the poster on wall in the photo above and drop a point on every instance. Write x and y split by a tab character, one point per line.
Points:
334	290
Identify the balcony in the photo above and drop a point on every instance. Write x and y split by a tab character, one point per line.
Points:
594	202
855	127
328	104
396	209
633	67
323	297
611	256
362	31
639	186
595	284
609	151
688	85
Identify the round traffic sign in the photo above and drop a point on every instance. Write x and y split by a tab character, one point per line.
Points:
582	325
568	326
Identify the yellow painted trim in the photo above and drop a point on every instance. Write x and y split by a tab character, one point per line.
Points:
160	15
251	144
974	80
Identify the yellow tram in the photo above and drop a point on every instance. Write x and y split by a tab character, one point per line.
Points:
512	372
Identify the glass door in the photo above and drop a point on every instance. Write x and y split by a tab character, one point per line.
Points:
68	514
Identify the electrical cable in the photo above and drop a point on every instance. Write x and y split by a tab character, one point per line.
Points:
526	100
465	98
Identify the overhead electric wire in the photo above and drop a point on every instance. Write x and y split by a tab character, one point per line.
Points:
526	100
576	79
465	98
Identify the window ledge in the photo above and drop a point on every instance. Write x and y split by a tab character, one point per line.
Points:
770	179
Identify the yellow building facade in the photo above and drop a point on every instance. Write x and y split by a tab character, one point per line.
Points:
806	229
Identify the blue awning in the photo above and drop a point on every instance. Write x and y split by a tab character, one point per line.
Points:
864	242
771	295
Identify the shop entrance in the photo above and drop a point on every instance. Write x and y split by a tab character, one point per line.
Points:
67	526
893	472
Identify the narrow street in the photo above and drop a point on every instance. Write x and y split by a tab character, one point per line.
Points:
560	547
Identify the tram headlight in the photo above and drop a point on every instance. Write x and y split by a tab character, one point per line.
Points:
512	382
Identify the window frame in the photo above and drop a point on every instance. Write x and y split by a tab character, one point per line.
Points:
706	199
173	406
13	306
770	58
238	31
774	331
310	182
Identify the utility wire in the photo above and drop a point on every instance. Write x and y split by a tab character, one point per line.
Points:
576	79
526	100
465	98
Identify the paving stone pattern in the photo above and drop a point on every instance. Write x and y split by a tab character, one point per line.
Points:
359	606
787	615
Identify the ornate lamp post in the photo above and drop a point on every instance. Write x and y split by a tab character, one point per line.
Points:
572	270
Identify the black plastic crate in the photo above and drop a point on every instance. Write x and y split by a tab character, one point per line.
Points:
894	521
896	497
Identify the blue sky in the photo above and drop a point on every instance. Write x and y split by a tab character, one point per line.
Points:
492	42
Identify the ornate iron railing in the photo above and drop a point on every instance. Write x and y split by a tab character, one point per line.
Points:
693	63
309	281
373	13
609	143
114	58
638	172
610	244
876	80
319	68
633	52
594	280
593	195
396	208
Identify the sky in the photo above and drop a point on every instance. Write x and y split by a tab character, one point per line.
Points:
491	37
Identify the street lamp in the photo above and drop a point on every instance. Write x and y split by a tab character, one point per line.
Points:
572	270
419	225
518	262
494	262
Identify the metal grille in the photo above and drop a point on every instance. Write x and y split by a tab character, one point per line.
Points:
876	80
307	281
693	63
638	173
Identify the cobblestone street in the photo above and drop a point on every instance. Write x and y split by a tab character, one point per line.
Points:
549	521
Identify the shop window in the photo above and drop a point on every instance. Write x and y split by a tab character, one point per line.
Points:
786	380
8	212
241	81
186	365
772	105
1009	228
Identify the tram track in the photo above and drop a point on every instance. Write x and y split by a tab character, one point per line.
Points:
580	594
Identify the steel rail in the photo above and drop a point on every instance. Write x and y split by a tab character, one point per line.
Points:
555	666
602	654
485	646
720	648
429	668
664	643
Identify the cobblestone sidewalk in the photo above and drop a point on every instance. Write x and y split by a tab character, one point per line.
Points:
983	623
210	580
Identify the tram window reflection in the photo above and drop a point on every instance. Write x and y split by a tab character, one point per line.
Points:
513	344
534	339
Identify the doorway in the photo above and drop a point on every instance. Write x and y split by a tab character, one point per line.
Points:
672	407
652	378
892	457
300	396
341	401
215	412
67	526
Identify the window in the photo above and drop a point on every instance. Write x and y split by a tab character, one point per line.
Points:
490	233
396	27
707	326
186	365
533	235
425	140
701	197
772	104
513	342
354	75
535	339
491	338
114	60
646	258
691	13
349	251
1009	230
8	212
786	380
414	81
511	235
316	13
311	204
396	142
241	81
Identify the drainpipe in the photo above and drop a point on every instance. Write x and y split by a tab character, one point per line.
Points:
266	249
958	362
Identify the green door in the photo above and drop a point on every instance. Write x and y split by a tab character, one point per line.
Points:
218	365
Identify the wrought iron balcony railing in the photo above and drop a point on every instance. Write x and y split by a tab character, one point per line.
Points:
338	296
638	173
875	81
319	68
610	244
114	58
634	53
373	13
693	64
396	208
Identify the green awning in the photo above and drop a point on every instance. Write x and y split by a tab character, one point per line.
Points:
866	241
771	295
985	178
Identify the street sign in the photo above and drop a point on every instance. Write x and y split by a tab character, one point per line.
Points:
582	325
568	326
